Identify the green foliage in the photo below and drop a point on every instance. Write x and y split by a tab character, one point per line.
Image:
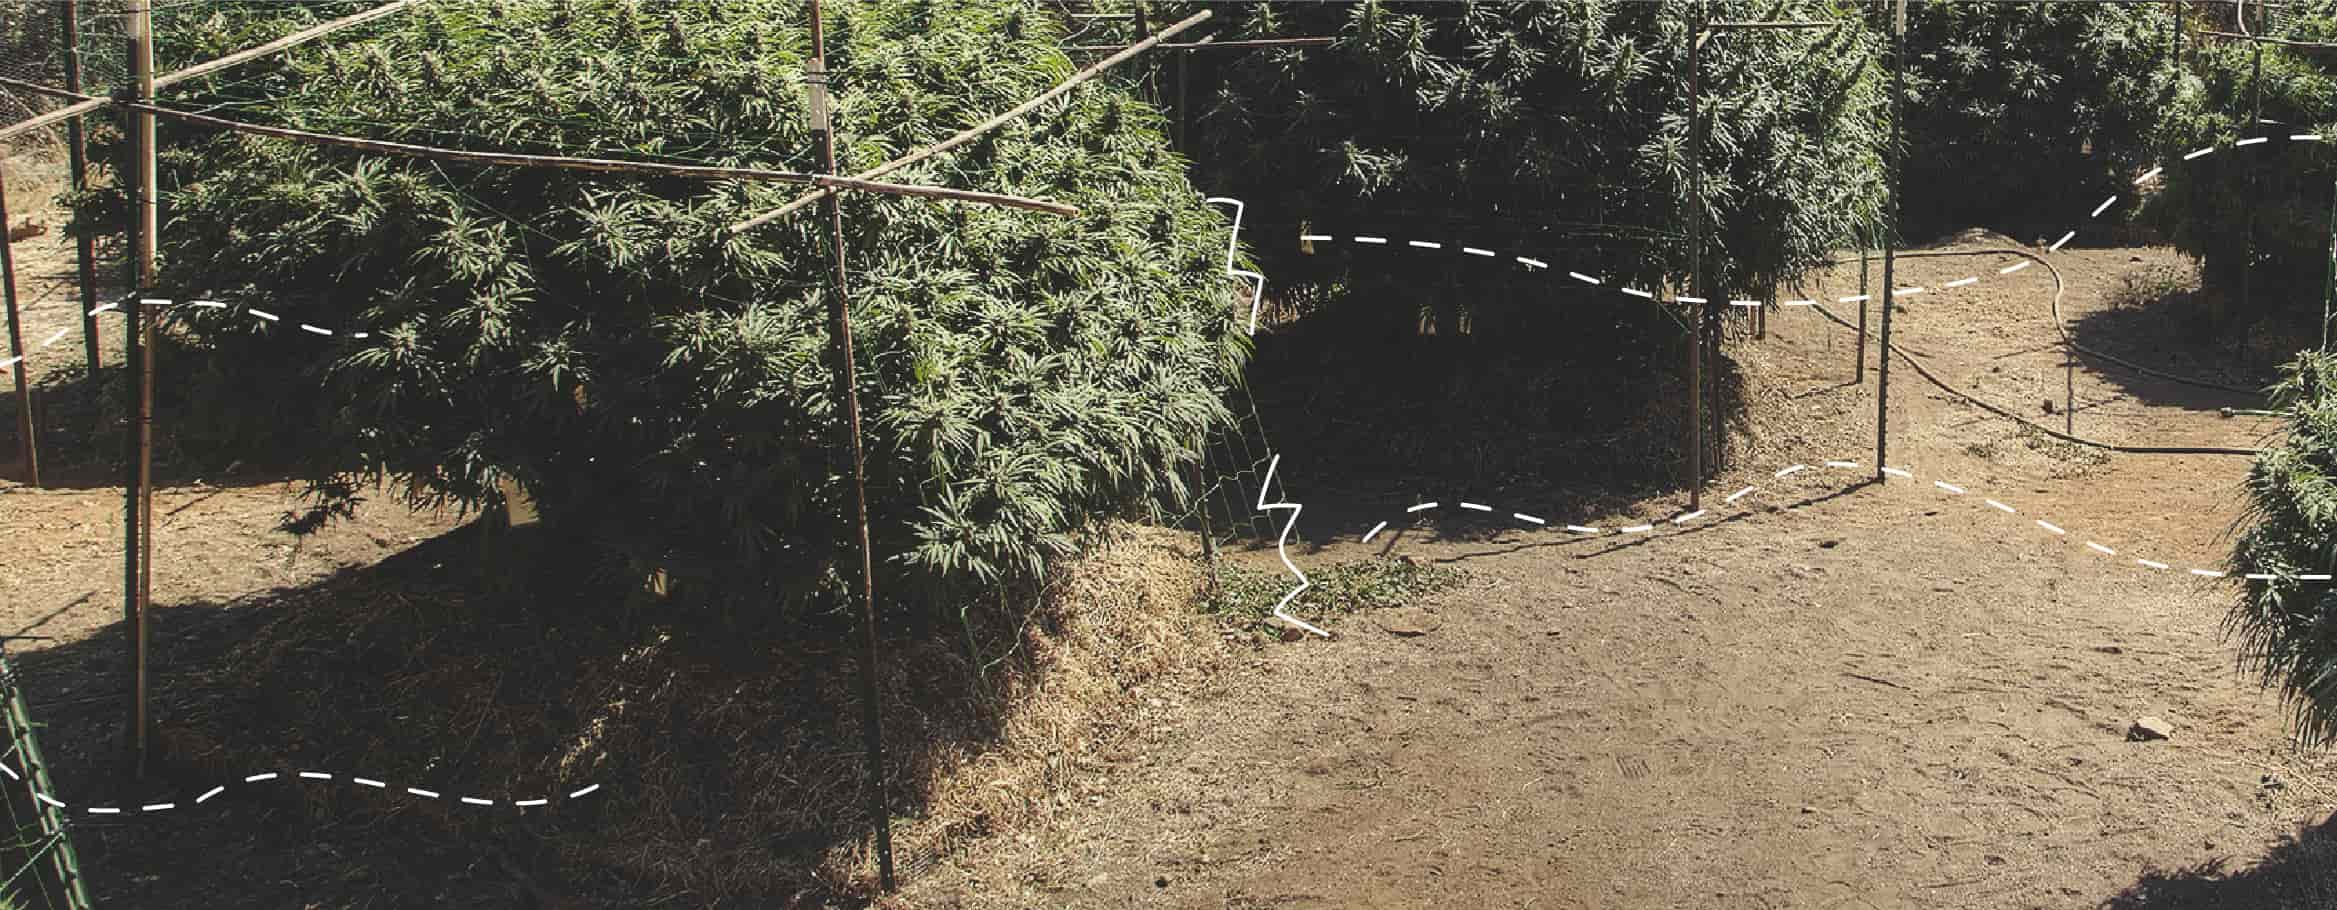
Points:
659	386
2288	628
2021	116
1351	586
2206	204
1557	131
1555	128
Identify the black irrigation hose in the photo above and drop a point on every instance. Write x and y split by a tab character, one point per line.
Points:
2071	342
1934	379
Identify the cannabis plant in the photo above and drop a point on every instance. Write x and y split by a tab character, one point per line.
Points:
660	386
1561	129
2022	116
1554	131
2280	187
2288	627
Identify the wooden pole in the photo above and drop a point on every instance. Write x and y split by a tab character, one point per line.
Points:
2266	39
1696	325
2068	388
971	133
138	522
300	37
85	105
847	378
560	162
2329	285
1312	41
1207	481
601	165
2248	238
1184	62
77	157
27	446
1858	368
1144	24
1882	406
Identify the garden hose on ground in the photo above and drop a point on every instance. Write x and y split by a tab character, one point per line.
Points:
1933	378
2071	341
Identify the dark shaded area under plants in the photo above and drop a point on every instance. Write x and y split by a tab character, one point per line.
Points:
1562	399
80	420
728	758
2169	325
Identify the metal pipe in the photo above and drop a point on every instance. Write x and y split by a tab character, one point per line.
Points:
77	157
1882	407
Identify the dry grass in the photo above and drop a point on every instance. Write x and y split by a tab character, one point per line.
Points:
1117	620
729	758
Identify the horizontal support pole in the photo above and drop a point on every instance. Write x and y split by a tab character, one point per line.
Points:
1312	41
305	35
2267	39
201	69
973	132
604	165
1782	23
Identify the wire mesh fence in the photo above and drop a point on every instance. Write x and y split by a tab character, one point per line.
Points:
64	45
38	868
1224	488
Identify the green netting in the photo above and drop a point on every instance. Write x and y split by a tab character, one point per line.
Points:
38	869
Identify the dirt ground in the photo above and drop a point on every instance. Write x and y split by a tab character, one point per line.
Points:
1837	695
1825	694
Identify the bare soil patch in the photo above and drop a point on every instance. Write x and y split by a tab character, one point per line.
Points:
1852	695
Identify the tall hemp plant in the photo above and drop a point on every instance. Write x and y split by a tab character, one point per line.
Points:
659	386
2287	627
2020	115
2282	187
1553	131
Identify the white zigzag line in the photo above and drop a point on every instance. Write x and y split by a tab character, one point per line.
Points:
1279	542
1258	292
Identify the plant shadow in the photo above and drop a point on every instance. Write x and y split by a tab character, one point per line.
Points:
79	422
1573	408
2161	324
726	756
2300	873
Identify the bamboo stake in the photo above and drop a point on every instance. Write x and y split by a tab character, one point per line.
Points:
2266	39
1858	367
1696	35
2248	237
26	743
2329	285
563	162
27	446
86	105
77	157
847	377
300	37
1777	23
38	121
612	165
138	486
974	132
1310	41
